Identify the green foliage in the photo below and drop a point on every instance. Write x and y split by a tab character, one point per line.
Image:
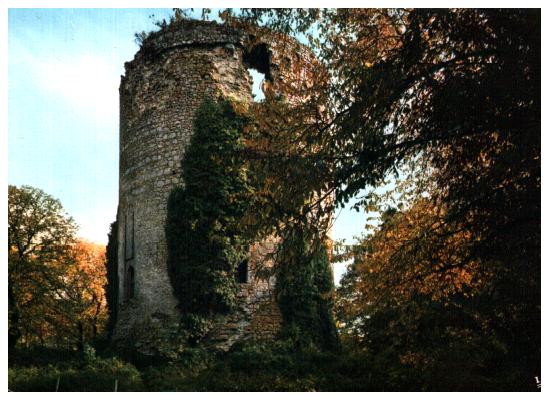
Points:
179	15
167	378
422	307
304	290
264	366
273	366
40	356
55	282
40	236
111	288
277	366
98	375
254	367
205	241
179	376
455	94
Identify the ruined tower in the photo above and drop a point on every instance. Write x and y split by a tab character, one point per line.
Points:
161	90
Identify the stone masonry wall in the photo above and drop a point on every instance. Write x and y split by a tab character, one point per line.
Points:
159	94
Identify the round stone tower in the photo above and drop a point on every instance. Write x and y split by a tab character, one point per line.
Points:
159	94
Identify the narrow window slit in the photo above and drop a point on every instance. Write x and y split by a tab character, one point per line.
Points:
242	272
130	283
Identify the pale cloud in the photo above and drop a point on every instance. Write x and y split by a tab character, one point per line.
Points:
94	225
80	94
86	82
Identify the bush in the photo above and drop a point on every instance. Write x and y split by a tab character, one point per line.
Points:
249	366
41	356
178	376
169	378
33	379
276	366
97	376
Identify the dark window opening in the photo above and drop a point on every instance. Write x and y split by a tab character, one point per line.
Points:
129	236
130	283
242	272
259	59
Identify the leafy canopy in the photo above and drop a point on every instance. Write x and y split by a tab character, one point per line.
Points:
55	282
452	95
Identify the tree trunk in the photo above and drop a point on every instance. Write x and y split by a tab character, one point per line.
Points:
80	336
14	333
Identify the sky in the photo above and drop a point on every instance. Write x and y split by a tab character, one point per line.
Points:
64	68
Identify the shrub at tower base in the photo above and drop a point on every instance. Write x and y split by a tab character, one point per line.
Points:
205	243
304	290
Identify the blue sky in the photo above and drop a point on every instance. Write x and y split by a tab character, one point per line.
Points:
64	70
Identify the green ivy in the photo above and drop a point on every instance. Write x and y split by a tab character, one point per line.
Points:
205	242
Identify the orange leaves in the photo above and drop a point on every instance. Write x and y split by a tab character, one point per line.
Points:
55	297
90	256
415	252
88	272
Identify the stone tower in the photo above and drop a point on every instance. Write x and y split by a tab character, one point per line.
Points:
159	94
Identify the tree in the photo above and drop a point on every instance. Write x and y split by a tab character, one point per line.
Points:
55	282
456	92
458	87
40	236
417	298
304	290
84	293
